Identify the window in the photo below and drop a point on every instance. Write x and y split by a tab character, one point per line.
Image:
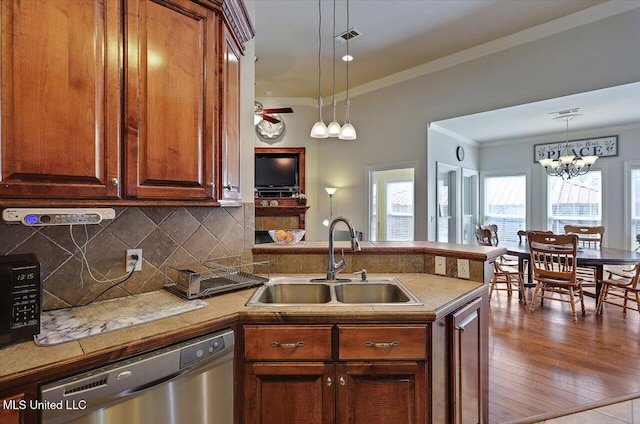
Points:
635	204
391	204
577	201
399	210
505	204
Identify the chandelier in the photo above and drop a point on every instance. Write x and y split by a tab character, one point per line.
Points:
568	165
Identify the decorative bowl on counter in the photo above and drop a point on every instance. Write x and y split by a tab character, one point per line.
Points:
286	237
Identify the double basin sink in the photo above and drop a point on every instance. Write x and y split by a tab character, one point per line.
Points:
294	291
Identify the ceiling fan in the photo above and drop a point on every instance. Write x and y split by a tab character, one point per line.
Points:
262	113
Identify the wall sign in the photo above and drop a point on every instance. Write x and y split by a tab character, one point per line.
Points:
601	146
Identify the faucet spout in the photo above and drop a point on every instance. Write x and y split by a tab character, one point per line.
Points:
334	268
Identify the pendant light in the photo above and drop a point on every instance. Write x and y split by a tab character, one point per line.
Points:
334	127
319	129
348	131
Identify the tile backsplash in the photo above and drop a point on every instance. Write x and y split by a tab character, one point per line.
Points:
166	235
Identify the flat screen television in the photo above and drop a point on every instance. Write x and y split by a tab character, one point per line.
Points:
276	171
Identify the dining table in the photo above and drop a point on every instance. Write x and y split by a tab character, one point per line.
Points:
592	257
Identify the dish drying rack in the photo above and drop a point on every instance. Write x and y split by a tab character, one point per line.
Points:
215	276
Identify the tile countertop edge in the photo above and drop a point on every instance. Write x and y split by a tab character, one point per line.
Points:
464	251
445	294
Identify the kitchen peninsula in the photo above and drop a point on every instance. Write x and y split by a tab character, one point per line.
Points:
452	324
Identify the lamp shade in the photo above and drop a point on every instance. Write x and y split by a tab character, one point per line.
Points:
348	132
330	190
319	130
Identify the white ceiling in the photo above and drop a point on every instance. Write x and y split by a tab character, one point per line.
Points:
398	35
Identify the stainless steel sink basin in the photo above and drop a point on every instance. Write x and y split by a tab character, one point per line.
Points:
370	293
293	291
297	293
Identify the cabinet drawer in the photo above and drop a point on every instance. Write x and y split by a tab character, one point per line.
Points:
382	342
287	342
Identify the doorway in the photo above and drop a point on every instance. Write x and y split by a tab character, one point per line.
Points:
446	203
392	204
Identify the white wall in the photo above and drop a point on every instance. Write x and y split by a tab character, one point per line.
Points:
392	122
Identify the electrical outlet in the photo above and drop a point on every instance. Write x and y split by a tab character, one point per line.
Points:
441	265
130	261
463	268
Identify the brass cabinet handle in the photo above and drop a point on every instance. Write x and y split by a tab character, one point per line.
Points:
114	181
329	381
385	345
342	381
210	184
287	345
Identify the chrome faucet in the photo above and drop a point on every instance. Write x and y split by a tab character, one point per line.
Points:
334	268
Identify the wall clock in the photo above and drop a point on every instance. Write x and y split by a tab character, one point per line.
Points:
269	131
460	153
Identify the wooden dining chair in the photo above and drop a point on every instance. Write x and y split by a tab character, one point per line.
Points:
483	237
553	264
505	277
589	237
620	291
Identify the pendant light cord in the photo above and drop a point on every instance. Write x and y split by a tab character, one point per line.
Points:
348	102
319	64
333	101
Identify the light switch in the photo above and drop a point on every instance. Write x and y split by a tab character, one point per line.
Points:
463	268
441	265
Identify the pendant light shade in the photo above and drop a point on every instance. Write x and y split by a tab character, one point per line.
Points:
334	129
319	130
348	132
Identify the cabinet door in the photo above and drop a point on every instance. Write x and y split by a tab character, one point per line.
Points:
230	140
60	99
381	393
467	373
170	97
289	393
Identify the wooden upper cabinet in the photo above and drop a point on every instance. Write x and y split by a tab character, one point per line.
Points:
170	95
230	139
60	99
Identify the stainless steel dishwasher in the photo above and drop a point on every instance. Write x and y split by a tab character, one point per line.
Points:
191	382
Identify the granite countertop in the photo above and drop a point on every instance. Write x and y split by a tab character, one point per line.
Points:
439	295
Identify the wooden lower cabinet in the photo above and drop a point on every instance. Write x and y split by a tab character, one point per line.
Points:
381	392
289	393
467	371
339	374
327	393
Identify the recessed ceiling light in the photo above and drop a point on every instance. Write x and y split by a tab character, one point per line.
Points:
347	58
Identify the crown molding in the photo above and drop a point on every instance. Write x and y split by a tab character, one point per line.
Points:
288	101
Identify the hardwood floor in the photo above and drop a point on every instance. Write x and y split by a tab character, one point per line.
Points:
543	364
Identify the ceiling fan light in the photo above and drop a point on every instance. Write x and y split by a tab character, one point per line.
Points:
319	130
348	132
589	160
555	164
567	158
334	129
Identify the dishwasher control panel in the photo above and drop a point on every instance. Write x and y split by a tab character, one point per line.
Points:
196	353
